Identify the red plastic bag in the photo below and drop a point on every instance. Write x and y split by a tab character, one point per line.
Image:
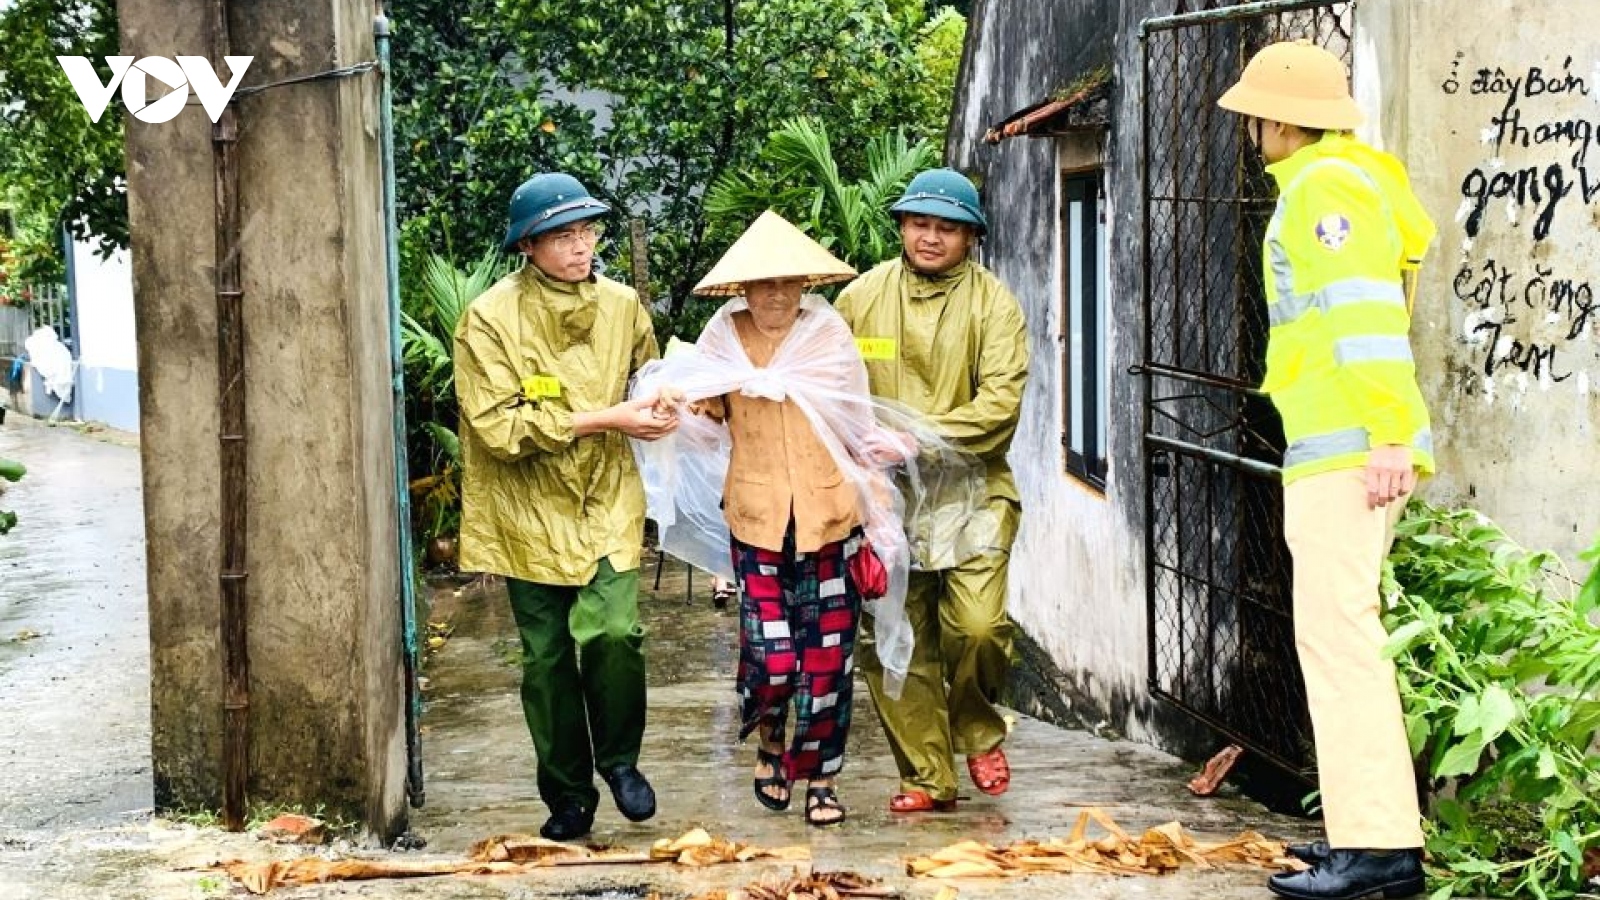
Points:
868	573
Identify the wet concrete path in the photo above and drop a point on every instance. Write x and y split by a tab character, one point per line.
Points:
74	739
74	639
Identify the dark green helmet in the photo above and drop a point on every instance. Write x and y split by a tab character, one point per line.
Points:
945	193
549	200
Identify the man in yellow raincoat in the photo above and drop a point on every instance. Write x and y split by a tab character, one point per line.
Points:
551	498
940	333
1340	372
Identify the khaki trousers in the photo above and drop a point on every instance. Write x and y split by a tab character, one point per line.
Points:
1369	793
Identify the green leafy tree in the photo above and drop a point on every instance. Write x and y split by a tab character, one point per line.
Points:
695	88
55	162
801	180
427	338
469	127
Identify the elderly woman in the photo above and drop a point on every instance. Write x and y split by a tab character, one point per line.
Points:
787	381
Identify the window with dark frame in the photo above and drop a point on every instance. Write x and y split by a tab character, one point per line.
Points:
1084	395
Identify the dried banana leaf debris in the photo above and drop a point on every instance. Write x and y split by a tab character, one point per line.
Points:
260	878
814	886
699	848
505	854
521	848
1158	851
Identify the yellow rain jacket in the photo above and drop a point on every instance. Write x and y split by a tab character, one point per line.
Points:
537	503
1339	364
953	346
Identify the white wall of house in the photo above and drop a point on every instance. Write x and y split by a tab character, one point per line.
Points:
1078	583
108	359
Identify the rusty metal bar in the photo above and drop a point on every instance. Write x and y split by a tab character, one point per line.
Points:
1228	13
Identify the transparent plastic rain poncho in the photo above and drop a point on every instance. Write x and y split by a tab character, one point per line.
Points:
925	512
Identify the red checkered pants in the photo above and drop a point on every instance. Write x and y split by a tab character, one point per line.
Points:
798	614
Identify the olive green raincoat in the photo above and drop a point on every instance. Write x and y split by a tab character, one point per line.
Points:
956	348
539	504
953	347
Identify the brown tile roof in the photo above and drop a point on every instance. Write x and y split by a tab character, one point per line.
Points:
1085	104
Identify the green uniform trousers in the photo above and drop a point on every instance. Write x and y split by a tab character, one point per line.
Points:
960	663
583	690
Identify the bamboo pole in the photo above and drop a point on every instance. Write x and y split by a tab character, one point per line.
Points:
232	437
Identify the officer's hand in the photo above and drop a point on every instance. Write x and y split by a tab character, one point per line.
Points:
640	419
1389	475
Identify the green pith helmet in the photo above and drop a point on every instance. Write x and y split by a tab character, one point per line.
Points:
945	193
549	200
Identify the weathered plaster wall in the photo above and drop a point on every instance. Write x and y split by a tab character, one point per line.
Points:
1077	579
1495	107
326	690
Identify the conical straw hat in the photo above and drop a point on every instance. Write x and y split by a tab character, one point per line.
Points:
772	248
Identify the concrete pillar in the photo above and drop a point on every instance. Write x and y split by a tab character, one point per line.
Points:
326	707
1491	104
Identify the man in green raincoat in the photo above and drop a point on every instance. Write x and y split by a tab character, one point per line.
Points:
940	333
551	498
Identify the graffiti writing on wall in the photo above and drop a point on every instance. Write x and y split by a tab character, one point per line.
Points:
1529	210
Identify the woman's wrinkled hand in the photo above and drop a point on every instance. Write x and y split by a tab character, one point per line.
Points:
887	448
641	419
667	401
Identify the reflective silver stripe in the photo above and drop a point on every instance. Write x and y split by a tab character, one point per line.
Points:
1323	446
1361	173
1371	349
1340	293
1341	443
1282	271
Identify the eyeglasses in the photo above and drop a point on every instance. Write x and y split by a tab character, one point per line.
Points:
585	235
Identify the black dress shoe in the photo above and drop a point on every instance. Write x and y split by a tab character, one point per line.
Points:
636	799
567	822
1313	852
1354	874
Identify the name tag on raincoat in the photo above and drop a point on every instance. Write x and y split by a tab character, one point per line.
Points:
877	349
539	387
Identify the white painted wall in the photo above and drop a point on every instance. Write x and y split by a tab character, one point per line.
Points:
1077	575
108	358
104	290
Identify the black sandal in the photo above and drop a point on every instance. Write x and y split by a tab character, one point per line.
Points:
775	780
819	799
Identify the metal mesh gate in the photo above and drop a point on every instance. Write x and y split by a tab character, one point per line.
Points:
1221	628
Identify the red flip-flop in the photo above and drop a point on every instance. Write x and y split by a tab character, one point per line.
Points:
990	772
919	801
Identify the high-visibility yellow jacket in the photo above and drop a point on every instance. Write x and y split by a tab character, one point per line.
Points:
1339	363
953	346
538	503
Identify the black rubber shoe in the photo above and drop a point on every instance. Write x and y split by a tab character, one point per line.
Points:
635	798
1354	874
1313	852
567	823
